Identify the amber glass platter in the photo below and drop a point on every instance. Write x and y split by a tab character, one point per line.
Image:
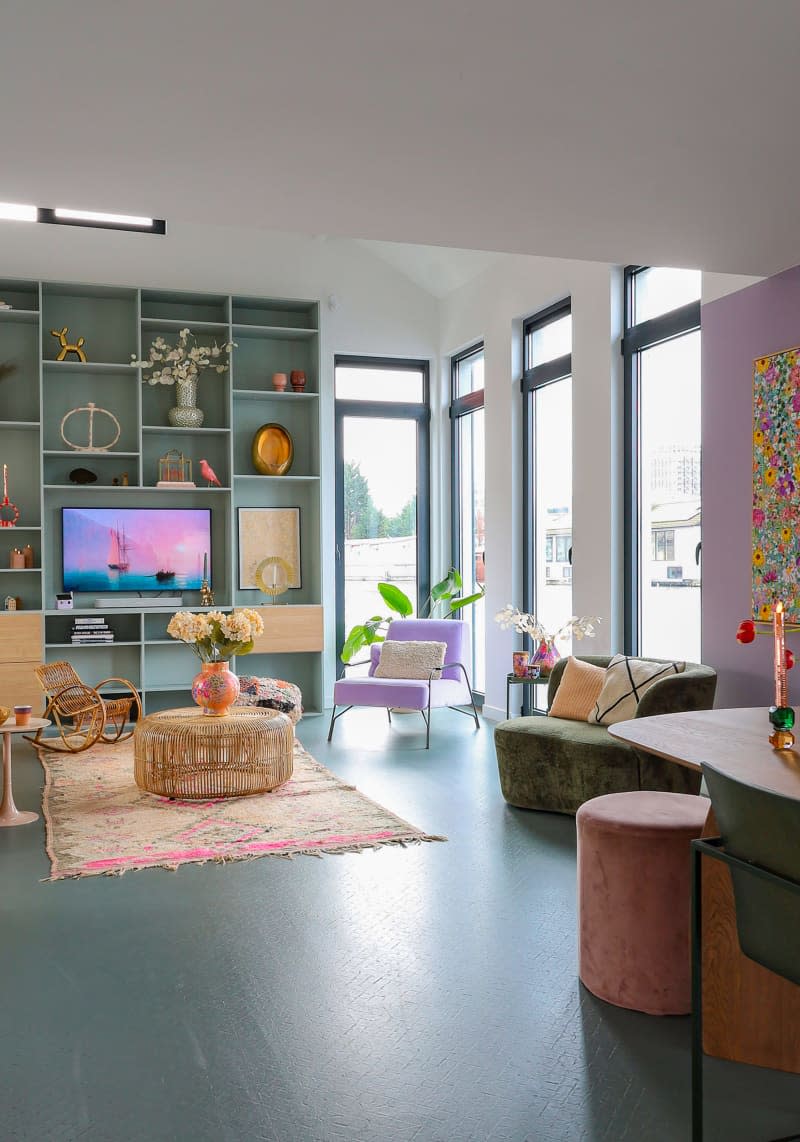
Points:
273	450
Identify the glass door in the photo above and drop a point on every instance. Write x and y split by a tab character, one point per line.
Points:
382	486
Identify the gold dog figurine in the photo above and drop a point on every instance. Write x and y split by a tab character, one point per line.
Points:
77	348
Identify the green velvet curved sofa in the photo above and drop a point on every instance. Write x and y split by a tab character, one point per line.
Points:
556	764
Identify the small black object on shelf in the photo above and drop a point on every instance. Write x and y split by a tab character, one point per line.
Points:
82	476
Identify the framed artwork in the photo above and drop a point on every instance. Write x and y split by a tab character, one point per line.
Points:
776	484
265	532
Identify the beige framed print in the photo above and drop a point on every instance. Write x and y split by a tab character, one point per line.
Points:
266	532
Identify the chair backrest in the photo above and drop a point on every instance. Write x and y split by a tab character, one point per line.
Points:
454	632
54	676
762	828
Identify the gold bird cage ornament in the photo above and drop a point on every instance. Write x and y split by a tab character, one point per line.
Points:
174	468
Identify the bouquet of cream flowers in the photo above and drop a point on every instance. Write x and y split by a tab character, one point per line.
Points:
215	636
182	363
524	623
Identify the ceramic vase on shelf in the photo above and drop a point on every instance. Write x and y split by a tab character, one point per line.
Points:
185	413
279	382
215	689
545	657
519	663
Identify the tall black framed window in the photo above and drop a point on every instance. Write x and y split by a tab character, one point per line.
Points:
661	352
382	465
547	463
468	490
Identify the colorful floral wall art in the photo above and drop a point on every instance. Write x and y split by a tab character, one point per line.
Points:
776	484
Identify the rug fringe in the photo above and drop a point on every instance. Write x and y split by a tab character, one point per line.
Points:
232	858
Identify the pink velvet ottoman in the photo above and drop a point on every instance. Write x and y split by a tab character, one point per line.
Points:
634	898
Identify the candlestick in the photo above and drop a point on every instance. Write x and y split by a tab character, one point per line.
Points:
781	715
205	564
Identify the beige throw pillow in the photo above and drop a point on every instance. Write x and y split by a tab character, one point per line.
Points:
577	691
627	679
409	659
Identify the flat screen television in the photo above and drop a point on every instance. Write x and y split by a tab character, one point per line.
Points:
135	549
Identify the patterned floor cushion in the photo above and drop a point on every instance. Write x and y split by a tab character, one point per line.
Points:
271	694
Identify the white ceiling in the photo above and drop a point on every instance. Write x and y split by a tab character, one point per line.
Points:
623	130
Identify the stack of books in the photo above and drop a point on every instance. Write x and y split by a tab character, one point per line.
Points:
88	631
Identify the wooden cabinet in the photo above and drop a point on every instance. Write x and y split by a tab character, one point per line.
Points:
20	652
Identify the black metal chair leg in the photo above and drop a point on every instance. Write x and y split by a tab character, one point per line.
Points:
333	719
389	714
697	996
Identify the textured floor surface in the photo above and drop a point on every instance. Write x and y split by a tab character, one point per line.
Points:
426	994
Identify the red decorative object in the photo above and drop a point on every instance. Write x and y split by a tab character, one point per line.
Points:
546	657
9	513
746	631
215	688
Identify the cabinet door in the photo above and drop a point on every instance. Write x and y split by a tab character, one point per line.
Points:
20	651
290	630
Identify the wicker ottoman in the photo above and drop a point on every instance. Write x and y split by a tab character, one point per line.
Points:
184	753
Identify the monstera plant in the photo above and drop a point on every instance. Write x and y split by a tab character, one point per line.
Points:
445	597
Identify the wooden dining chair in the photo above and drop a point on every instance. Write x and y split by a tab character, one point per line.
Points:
80	713
758	841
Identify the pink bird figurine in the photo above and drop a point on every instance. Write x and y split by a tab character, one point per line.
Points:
208	474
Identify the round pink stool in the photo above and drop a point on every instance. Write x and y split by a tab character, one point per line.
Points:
634	898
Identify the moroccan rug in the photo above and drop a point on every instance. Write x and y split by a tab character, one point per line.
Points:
99	822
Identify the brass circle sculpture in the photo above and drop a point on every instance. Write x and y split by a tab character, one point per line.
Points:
273	450
272	575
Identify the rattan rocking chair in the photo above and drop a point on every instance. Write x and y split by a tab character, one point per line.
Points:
81	715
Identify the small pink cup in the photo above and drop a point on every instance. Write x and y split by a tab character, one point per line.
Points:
279	382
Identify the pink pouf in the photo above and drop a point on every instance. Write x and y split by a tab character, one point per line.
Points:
634	898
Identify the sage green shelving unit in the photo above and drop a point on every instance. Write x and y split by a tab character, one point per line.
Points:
272	335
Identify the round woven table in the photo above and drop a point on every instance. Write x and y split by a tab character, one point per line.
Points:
185	753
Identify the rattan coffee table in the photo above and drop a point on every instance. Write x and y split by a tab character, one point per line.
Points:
185	753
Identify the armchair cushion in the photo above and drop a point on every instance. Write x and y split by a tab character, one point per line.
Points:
626	681
410	659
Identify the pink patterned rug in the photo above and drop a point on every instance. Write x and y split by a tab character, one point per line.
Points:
99	822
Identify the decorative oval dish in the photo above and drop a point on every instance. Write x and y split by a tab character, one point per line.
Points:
273	450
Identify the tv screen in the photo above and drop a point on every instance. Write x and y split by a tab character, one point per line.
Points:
135	549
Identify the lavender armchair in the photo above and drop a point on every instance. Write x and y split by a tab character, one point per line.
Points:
451	689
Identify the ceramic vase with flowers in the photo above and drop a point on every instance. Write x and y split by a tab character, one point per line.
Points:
181	365
546	654
216	637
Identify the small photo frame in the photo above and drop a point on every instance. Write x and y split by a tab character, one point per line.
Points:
264	532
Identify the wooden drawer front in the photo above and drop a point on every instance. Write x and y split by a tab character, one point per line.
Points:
18	686
290	630
21	637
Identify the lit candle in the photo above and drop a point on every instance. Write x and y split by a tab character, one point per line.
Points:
781	696
205	565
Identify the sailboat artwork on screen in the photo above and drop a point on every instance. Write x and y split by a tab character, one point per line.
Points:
135	550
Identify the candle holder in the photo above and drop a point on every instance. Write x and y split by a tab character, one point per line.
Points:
781	714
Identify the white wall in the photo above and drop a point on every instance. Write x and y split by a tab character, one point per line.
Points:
377	310
492	307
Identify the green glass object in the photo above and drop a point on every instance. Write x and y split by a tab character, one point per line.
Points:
781	717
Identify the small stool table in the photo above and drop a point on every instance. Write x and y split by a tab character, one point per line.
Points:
185	753
634	898
9	813
525	680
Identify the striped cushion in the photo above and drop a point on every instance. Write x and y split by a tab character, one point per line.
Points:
577	691
627	679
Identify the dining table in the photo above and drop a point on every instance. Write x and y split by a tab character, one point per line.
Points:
750	1015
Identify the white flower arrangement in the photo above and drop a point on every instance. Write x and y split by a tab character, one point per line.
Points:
215	636
182	363
525	623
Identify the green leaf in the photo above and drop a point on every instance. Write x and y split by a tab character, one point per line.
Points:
447	587
395	599
457	604
353	643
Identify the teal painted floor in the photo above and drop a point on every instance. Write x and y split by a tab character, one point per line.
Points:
426	994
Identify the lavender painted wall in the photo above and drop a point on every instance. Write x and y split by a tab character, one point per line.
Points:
736	329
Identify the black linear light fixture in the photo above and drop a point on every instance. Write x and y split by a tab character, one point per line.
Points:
62	216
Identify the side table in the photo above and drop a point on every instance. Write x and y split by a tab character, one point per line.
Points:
9	813
516	680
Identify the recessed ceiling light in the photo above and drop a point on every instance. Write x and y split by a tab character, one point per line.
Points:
95	216
63	216
17	212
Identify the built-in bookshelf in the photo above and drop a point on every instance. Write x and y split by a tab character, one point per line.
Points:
271	335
